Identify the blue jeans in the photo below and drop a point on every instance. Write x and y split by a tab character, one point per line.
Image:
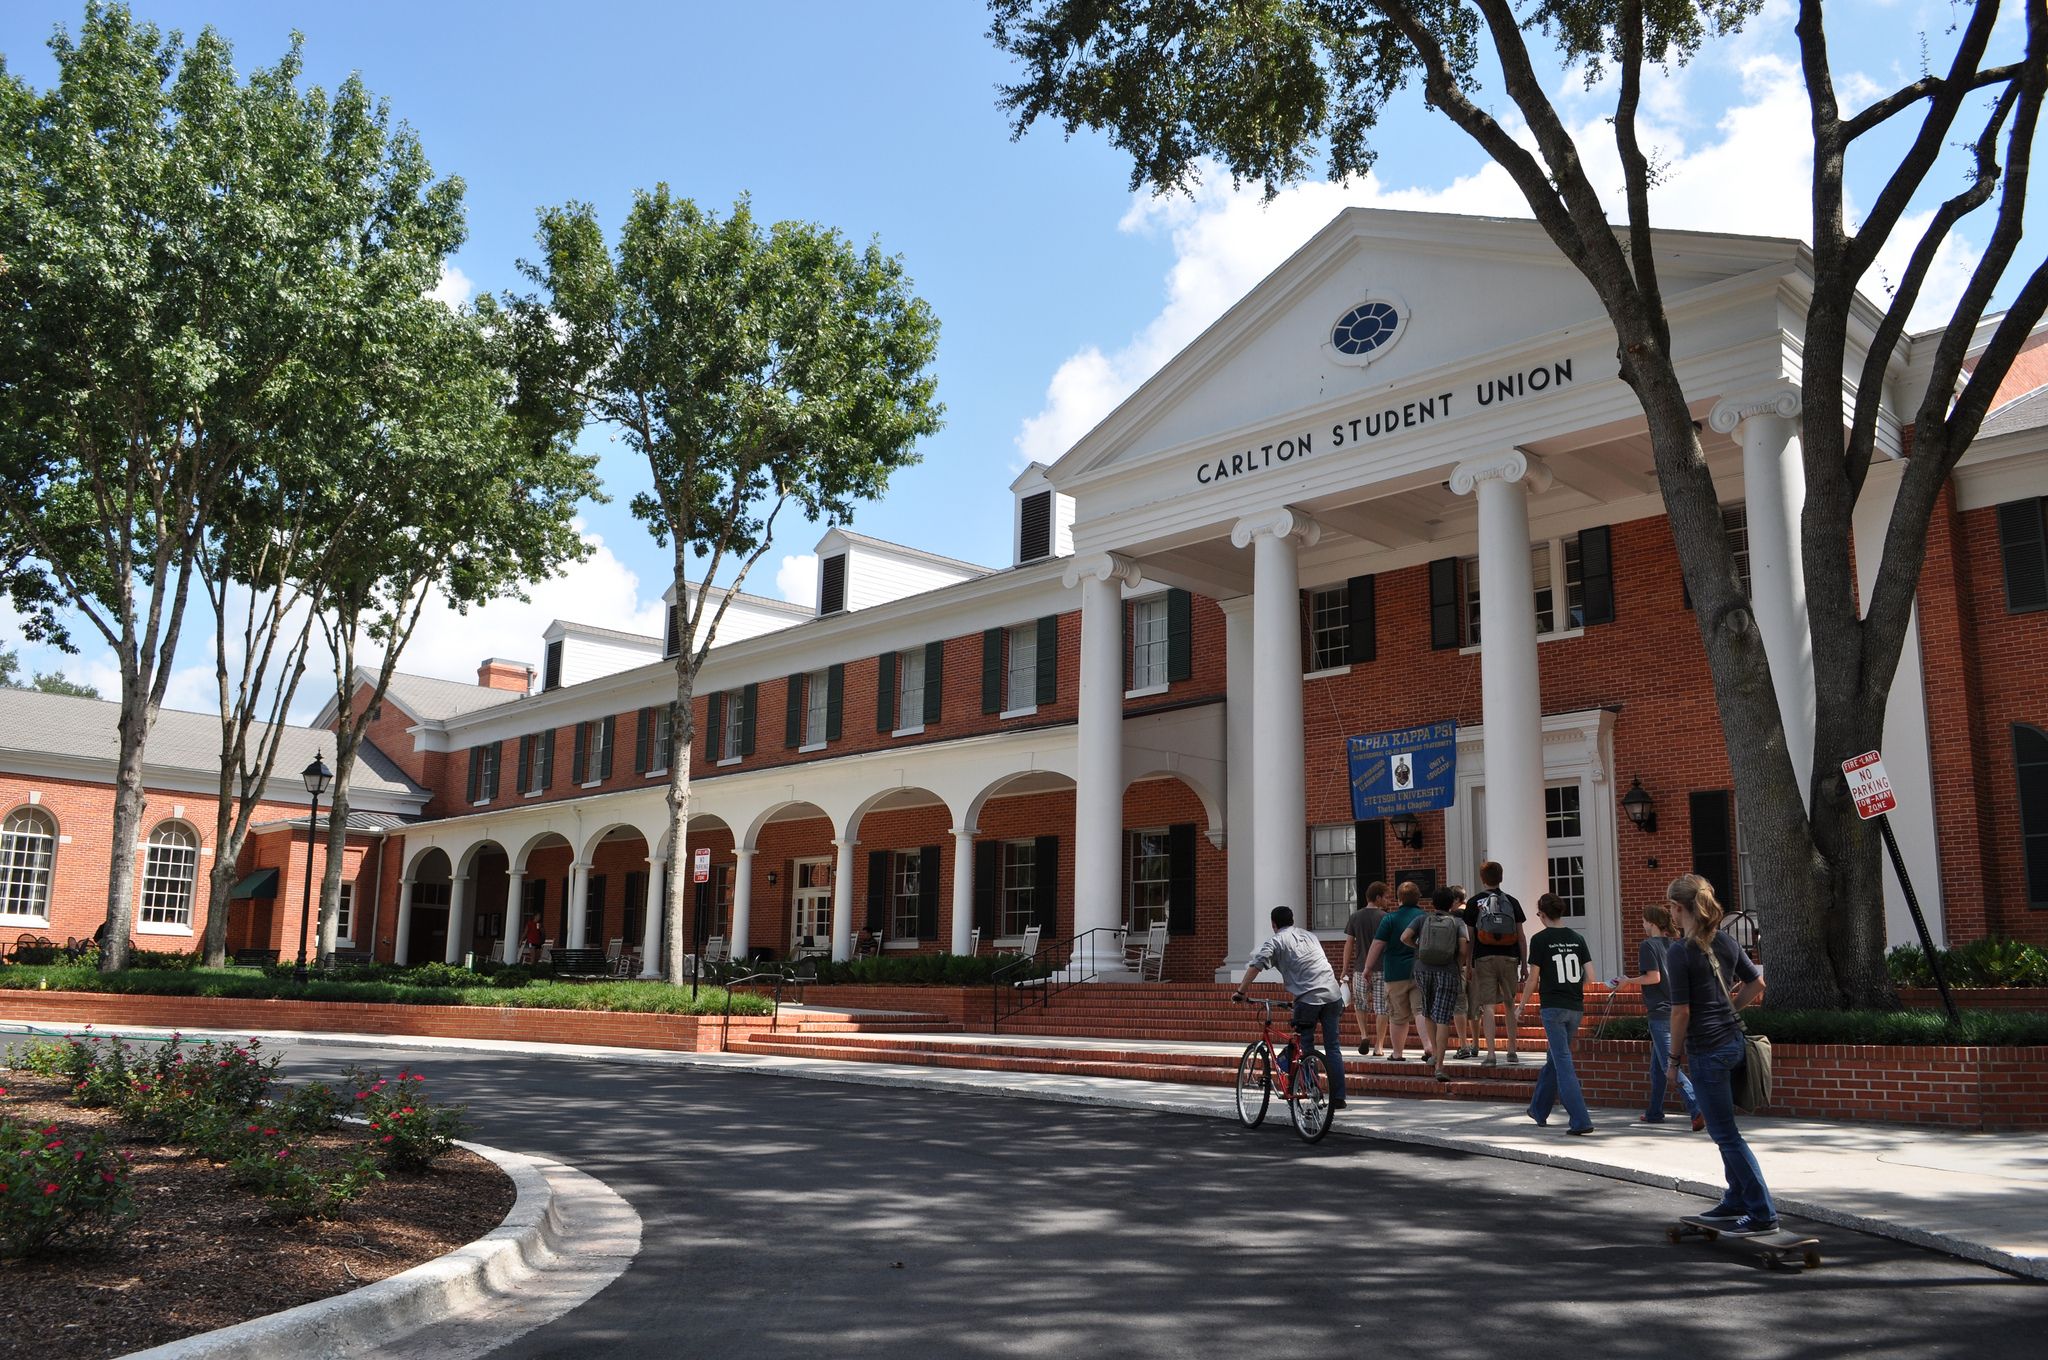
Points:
1559	1079
1660	1063
1711	1073
1330	1015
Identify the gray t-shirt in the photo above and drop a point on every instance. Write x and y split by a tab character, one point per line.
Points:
1650	959
1304	966
1360	928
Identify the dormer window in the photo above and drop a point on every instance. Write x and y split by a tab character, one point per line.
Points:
832	584
1034	530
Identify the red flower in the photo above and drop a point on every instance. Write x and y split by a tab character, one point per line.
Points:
107	1176
53	1144
50	1189
406	1110
387	1137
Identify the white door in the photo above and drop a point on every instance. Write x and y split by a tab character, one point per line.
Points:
813	898
1565	828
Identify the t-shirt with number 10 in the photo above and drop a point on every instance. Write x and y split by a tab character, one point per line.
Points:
1561	960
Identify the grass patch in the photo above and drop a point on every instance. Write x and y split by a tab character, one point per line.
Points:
1989	1029
391	989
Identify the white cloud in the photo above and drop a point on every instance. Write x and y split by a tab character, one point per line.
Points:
796	579
454	289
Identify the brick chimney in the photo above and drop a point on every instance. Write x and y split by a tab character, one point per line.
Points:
498	673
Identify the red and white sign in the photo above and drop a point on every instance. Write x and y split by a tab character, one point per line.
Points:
1869	785
701	871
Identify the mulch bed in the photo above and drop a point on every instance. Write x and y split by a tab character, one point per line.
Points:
203	1253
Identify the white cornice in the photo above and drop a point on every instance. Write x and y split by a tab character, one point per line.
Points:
85	769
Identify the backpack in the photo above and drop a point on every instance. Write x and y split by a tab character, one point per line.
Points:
1436	940
1496	923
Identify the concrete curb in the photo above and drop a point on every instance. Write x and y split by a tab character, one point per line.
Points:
495	1265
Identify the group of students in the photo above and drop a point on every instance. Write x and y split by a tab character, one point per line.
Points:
1445	964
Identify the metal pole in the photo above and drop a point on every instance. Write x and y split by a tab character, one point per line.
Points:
1891	845
306	902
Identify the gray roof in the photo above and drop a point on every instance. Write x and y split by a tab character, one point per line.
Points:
748	597
870	541
593	630
431	700
357	819
33	723
2027	411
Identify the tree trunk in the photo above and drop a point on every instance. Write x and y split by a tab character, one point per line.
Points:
337	850
137	716
220	882
684	726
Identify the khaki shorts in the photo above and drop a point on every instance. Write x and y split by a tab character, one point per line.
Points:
1401	999
1493	980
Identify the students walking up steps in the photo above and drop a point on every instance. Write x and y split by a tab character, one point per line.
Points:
1397	960
1559	962
1368	990
1500	955
1443	955
1649	975
1467	1023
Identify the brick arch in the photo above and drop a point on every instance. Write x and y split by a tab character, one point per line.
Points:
1212	803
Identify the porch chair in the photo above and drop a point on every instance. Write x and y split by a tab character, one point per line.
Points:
1147	957
612	950
714	950
1030	942
868	944
974	941
547	950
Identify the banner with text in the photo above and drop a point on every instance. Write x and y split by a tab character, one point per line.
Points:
1410	769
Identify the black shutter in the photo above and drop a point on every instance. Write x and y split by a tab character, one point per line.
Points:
475	775
1596	573
2023	542
878	890
714	719
1125	617
1713	843
750	699
493	754
611	743
1035	537
934	681
992	670
885	692
832	584
526	745
551	677
1048	658
1180	635
643	740
672	642
1361	624
579	759
2030	764
547	759
1443	603
1368	855
793	713
633	916
988	861
928	892
835	699
1045	886
593	910
1180	898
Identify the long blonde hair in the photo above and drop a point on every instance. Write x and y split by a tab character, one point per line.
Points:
1696	895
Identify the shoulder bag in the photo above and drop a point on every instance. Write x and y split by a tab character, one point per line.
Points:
1749	1084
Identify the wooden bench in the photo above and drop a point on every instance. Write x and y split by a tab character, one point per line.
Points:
581	963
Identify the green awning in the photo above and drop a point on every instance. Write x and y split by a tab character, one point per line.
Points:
261	884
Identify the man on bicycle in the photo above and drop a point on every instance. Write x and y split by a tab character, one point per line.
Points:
1305	971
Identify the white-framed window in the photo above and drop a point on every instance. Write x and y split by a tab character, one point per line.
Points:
28	854
1019	907
910	689
1148	642
1329	628
1735	526
905	884
664	738
728	702
817	704
345	916
1565	829
1151	879
1021	689
1333	875
170	866
1550	561
599	756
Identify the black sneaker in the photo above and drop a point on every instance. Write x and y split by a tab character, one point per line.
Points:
1721	1215
1750	1226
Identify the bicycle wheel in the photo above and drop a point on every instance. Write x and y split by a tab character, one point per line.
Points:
1308	1098
1254	1084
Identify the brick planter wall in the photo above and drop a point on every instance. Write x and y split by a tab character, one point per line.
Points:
964	1006
619	1029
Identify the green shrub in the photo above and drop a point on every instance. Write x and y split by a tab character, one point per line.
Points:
1980	963
68	1060
511	978
927	970
440	975
407	1131
302	1185
312	1108
56	1185
1919	1028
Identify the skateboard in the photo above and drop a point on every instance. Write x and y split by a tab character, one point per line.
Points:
1781	1250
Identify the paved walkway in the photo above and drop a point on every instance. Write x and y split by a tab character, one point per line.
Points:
1981	1196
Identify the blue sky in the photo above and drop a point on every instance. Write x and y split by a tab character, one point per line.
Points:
1057	289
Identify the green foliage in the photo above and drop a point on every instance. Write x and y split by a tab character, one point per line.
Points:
314	1107
52	682
1994	1029
407	1131
57	1186
300	1181
1980	963
511	978
927	970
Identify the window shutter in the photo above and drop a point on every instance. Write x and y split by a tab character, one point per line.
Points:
1048	658
1368	855
611	744
593	911
1180	635
1596	573
547	759
835	699
2023	542
1045	886
750	699
1034	539
1361	622
634	906
878	890
475	774
992	670
714	718
1713	843
1126	616
526	745
643	741
1305	612
934	681
1180	898
493	754
551	677
793	713
2030	761
579	763
673	641
885	692
1443	603
928	892
832	584
987	867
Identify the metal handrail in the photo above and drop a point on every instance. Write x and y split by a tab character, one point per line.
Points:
774	1018
1022	984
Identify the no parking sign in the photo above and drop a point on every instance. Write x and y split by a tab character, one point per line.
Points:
700	871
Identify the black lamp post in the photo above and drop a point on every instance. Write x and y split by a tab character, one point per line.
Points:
317	777
1640	807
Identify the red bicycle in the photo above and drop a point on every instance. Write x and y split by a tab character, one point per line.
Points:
1294	1068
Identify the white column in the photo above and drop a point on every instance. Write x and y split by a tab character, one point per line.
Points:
1279	789
458	925
1774	494
650	924
401	948
842	901
508	948
572	916
963	887
1245	927
1510	688
742	903
1099	780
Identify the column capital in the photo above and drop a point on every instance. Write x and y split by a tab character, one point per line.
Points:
846	843
745	851
1236	604
1111	567
966	833
1510	465
1282	522
1781	401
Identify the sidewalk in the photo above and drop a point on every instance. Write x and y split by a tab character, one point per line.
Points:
1980	1196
